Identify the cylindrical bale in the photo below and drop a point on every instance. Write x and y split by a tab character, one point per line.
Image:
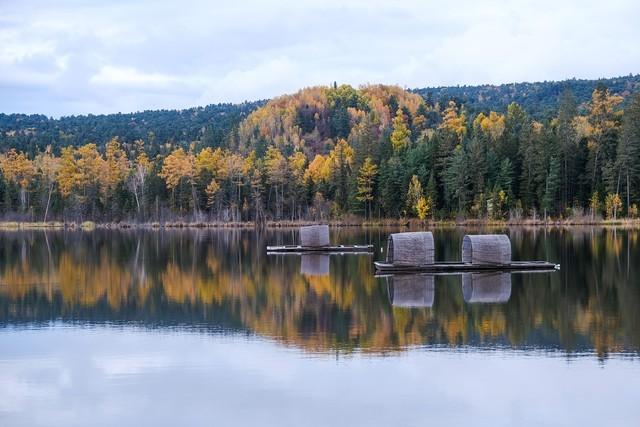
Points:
314	235
314	264
411	291
410	249
486	287
486	249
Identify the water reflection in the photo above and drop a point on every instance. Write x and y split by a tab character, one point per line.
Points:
314	264
411	291
486	287
222	280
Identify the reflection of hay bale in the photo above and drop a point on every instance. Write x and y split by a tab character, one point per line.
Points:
486	249
486	287
314	264
314	235
412	291
410	249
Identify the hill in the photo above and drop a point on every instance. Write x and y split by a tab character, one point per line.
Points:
214	124
539	99
324	152
210	125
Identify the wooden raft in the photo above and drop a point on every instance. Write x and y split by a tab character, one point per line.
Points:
297	249
408	253
464	267
315	239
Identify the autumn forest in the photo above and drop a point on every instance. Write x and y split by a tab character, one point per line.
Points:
333	152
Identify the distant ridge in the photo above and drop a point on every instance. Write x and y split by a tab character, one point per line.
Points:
211	125
540	99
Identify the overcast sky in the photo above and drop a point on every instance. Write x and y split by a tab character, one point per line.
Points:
80	56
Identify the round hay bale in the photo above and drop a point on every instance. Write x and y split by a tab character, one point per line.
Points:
411	291
314	264
486	249
314	235
486	287
410	249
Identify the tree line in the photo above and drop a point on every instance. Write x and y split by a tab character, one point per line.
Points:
336	152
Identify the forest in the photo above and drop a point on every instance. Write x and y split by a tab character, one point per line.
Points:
336	153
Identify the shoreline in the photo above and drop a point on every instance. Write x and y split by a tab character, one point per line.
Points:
410	224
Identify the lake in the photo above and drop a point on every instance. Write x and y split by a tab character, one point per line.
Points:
192	327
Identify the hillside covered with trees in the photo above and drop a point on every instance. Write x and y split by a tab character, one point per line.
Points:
334	152
539	99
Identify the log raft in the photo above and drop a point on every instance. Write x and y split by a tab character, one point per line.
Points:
480	253
337	249
315	239
465	267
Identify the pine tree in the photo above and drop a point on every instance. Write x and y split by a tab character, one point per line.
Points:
456	180
628	151
392	187
566	134
552	186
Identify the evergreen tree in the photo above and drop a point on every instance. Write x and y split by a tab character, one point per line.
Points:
628	153
552	186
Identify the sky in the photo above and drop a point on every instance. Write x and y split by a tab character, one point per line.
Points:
79	56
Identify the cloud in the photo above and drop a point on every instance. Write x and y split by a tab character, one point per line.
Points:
110	75
80	56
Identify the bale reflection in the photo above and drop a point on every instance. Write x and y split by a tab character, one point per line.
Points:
314	264
411	291
486	287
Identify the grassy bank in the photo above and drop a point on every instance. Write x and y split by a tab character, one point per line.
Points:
350	222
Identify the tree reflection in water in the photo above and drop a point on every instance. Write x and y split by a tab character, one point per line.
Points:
222	280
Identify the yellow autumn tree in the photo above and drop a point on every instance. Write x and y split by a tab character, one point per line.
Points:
115	168
89	169
19	170
48	166
212	190
296	164
276	169
211	161
234	172
492	125
454	121
138	178
68	174
401	135
318	170
178	166
366	179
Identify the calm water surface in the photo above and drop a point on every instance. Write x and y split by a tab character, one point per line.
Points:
202	327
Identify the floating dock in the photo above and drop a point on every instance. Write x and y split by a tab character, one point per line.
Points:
465	267
298	249
411	253
314	239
